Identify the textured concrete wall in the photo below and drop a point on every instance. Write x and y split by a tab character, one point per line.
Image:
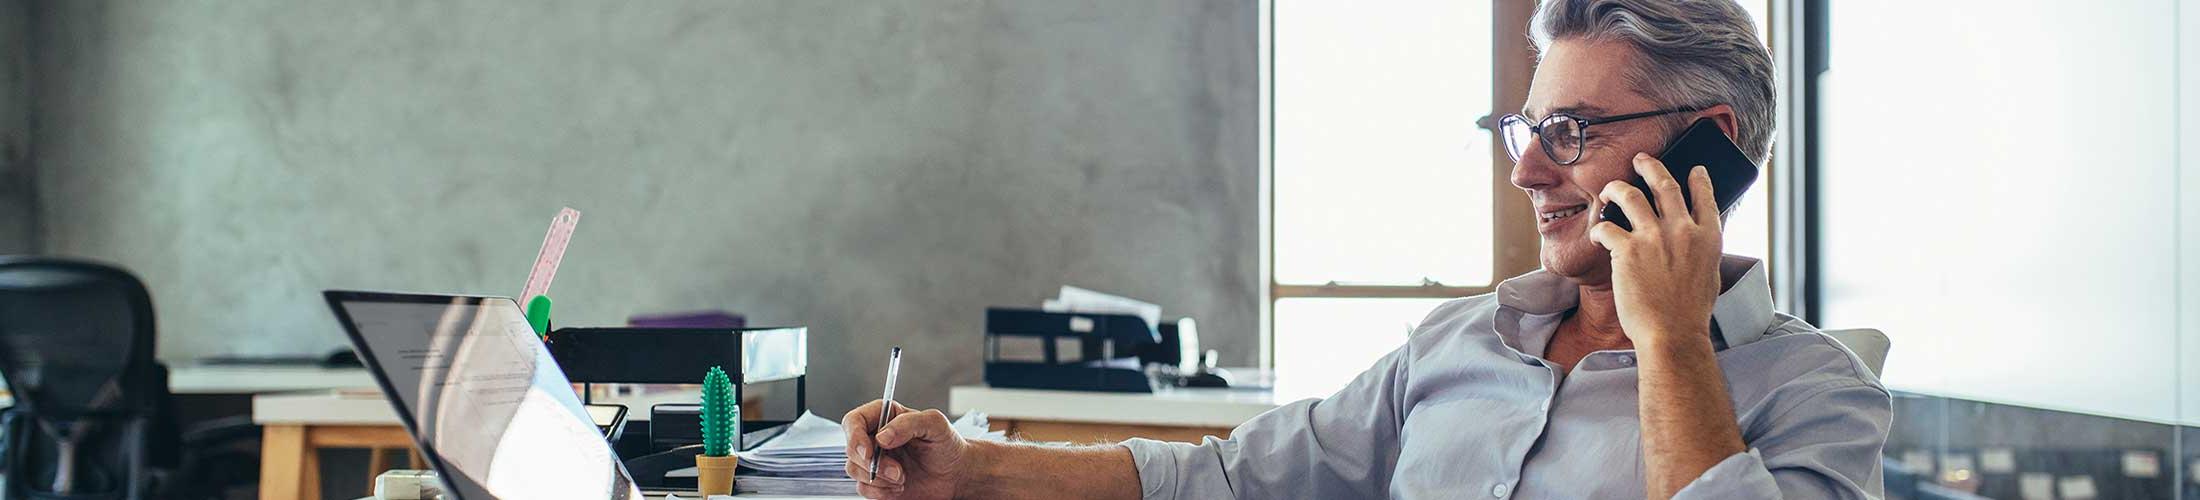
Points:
878	171
18	196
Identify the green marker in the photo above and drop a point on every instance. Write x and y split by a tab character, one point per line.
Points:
538	315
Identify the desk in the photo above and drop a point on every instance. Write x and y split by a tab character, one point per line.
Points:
219	388
296	426
742	497
735	496
249	379
1170	414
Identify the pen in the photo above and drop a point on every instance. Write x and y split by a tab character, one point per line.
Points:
886	408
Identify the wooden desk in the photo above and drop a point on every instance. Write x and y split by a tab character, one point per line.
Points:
246	379
226	383
1172	414
295	427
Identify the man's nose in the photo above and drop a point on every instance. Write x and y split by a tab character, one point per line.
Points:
1535	170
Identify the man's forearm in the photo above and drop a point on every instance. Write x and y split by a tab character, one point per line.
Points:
1015	471
1687	416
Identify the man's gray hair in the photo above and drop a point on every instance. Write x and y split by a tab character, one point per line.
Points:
1693	52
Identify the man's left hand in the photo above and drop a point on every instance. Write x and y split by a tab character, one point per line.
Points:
1665	273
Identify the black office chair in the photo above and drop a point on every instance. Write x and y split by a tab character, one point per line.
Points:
91	417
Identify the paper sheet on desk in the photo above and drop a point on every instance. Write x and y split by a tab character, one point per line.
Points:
1074	299
676	496
816	448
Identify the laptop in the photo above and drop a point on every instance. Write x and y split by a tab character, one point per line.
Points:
489	409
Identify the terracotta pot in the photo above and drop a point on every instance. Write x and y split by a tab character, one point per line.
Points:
714	475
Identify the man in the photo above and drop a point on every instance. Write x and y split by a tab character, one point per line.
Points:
1634	364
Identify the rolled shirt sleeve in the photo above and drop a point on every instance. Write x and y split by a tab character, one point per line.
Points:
1344	446
1825	445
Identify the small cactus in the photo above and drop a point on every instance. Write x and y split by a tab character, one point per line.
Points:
720	414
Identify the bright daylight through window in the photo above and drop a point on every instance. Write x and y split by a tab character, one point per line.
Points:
1383	187
1380	175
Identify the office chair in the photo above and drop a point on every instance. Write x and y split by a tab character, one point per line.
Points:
90	417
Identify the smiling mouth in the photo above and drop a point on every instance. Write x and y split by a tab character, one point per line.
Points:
1561	213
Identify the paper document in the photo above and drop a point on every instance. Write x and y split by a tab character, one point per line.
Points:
1074	299
811	458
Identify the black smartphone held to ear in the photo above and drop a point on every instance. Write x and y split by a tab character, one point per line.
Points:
1702	144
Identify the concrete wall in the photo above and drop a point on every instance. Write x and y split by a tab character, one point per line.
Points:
18	194
878	171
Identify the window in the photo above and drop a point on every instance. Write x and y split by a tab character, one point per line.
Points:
1385	197
2032	267
1382	187
2081	149
1748	229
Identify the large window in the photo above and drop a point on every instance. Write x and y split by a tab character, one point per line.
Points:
2017	212
1386	197
1381	180
2030	255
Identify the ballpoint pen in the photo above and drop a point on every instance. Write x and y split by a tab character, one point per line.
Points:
886	406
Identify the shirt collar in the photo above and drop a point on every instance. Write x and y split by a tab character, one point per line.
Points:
1742	314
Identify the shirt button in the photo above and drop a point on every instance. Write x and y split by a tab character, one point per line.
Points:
1500	490
1626	360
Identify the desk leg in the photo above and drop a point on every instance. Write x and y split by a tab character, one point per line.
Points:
283	461
309	479
374	467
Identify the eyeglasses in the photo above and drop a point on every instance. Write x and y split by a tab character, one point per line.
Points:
1562	134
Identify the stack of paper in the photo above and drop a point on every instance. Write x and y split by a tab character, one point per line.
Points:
811	458
1074	299
811	447
1079	300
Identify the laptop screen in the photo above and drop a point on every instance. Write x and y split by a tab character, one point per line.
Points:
482	397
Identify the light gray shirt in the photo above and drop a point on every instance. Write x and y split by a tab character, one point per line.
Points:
1469	409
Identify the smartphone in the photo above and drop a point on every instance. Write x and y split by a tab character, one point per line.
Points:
1702	144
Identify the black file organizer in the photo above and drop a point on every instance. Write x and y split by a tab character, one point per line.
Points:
1098	337
681	356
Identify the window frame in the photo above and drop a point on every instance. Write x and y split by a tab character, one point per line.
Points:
1514	242
1797	38
1515	246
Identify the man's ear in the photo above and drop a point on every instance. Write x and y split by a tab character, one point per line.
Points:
1724	116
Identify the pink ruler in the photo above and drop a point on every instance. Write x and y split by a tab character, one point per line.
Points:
553	250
